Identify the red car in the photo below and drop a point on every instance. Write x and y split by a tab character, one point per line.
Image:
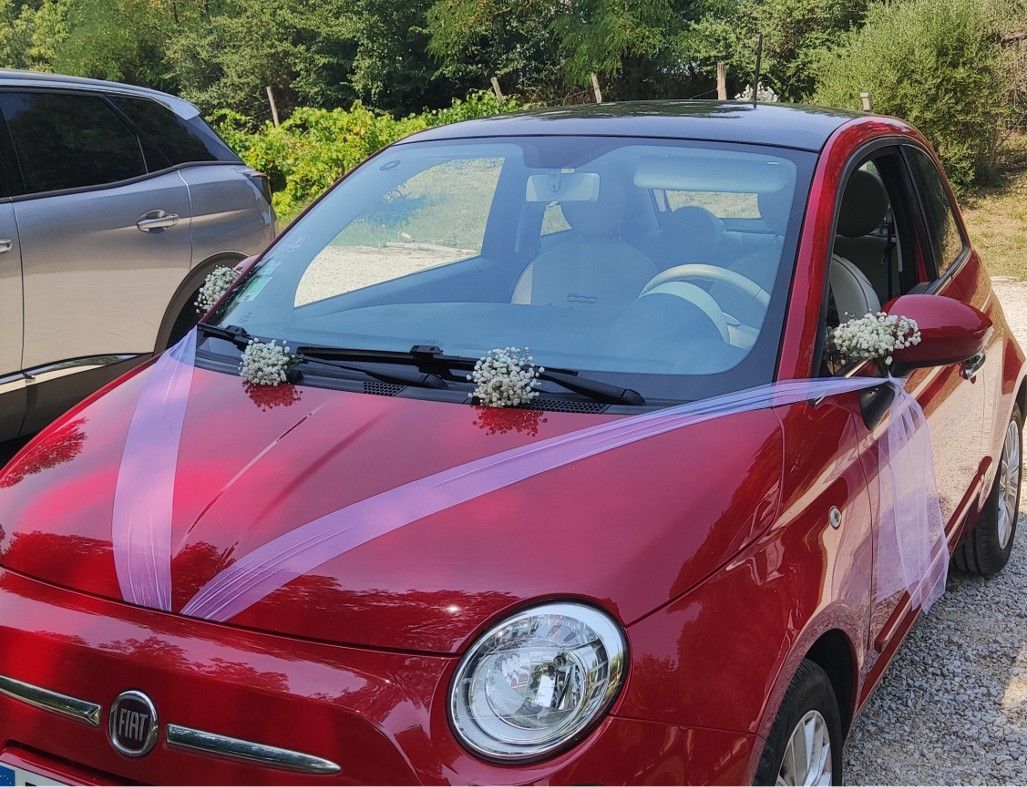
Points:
361	575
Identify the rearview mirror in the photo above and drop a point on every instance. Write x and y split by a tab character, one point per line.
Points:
950	331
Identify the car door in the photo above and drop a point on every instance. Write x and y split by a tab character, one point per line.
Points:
12	382
952	396
104	241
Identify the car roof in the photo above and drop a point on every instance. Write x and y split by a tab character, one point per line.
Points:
784	125
37	79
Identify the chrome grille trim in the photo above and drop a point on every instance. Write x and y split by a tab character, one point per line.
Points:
53	701
186	738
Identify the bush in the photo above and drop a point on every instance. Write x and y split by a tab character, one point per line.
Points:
312	148
936	63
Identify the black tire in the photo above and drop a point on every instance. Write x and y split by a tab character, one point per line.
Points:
810	690
982	550
186	319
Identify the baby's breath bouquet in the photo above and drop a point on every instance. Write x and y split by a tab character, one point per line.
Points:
265	363
214	286
505	377
874	337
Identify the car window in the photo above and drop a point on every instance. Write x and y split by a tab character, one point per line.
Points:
169	139
66	140
946	239
433	218
433	243
722	204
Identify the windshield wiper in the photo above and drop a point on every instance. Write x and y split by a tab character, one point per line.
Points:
240	337
432	357
401	376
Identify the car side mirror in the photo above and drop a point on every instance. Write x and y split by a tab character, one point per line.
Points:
951	331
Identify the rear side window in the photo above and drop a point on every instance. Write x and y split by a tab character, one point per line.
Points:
946	239
66	140
170	140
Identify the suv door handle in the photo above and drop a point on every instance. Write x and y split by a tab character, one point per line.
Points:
972	365
6	244
156	220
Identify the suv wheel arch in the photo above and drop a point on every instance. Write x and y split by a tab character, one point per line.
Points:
180	310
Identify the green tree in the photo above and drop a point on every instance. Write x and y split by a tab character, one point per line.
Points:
633	44
796	34
936	63
122	40
31	32
512	40
303	49
392	68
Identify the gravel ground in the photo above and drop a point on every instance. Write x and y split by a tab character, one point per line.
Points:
952	707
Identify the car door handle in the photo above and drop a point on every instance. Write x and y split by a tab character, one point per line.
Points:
156	220
972	365
6	244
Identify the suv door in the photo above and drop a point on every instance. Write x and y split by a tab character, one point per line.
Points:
104	243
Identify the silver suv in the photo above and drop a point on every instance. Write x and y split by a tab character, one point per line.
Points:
115	203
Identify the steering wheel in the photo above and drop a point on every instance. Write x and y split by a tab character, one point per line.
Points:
676	281
713	273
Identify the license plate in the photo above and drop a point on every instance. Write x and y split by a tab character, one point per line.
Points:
10	775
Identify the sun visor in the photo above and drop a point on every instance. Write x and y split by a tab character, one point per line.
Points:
722	171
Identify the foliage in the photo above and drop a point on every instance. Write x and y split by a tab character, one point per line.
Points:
133	50
796	35
392	68
314	147
936	63
633	41
303	49
31	32
474	40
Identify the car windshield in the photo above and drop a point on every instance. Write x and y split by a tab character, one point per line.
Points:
659	265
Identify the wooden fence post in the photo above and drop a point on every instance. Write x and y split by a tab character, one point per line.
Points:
868	104
595	87
721	80
274	106
496	89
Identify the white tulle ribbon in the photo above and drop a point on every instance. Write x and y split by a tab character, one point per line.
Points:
911	553
145	489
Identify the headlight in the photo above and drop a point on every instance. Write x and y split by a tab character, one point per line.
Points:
534	683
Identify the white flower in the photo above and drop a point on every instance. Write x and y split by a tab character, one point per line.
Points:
875	337
764	94
265	363
214	286
505	377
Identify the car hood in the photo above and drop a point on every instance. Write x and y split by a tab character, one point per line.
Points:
628	529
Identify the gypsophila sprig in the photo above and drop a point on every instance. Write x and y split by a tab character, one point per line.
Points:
214	286
265	363
875	337
764	94
505	377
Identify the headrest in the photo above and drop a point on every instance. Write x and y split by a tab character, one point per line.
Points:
776	208
601	218
691	222
864	205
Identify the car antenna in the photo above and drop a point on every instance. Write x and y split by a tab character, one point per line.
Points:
756	73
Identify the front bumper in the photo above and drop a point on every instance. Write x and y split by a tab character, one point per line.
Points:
378	715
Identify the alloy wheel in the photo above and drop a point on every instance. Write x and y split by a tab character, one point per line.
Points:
1009	485
807	758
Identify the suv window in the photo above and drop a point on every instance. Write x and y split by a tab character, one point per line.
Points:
169	139
942	227
68	140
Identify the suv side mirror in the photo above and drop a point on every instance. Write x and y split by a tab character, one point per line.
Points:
951	331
